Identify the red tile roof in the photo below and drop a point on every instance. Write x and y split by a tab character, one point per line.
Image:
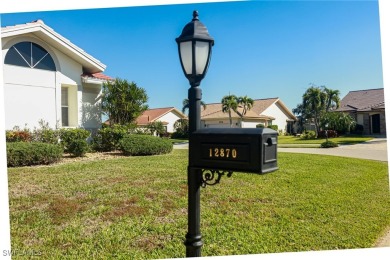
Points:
152	115
98	75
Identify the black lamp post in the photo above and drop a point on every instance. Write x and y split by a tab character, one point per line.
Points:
195	46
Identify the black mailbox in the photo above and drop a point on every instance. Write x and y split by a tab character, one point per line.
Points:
234	149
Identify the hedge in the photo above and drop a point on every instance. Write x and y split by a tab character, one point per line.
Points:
74	141
136	145
107	139
26	154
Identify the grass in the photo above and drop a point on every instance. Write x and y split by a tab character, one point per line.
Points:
338	140
178	140
135	207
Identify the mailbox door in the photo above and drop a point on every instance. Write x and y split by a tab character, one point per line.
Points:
269	152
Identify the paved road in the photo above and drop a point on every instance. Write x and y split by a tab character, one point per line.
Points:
375	149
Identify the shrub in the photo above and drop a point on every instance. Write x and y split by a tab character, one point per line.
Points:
78	147
329	144
107	139
44	134
25	154
18	136
144	145
273	127
308	135
260	126
69	136
358	130
331	134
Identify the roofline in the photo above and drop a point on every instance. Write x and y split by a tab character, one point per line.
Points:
170	109
285	108
39	26
366	89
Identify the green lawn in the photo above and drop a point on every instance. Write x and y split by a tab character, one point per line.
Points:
135	207
339	140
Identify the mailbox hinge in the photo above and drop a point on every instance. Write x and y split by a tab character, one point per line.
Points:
212	177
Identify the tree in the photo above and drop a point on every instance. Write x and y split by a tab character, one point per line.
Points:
341	122
181	127
229	103
246	103
122	101
156	127
316	103
332	99
186	105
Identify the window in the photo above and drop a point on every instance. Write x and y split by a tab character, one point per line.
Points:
64	107
31	55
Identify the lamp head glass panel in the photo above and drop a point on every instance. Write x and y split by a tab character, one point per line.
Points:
195	50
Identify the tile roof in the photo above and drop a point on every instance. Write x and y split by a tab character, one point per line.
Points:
152	115
363	100
98	75
214	110
260	105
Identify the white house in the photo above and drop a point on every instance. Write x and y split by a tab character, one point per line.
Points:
168	116
46	77
270	111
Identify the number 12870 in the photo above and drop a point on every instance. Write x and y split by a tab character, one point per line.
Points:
223	153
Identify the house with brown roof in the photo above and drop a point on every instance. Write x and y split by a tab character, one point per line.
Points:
368	109
168	116
269	111
47	77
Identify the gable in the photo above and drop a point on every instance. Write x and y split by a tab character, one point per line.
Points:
37	29
158	114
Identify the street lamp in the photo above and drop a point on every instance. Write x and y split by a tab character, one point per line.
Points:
195	46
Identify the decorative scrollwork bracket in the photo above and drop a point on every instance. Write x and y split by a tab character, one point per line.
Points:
213	177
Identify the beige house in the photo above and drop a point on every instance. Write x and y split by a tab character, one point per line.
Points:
270	111
368	109
168	116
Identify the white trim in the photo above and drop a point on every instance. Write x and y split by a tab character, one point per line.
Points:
49	36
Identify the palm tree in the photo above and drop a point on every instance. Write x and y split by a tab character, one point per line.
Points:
246	103
229	103
314	101
186	105
333	100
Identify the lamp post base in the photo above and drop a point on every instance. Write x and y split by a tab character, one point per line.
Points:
193	245
193	241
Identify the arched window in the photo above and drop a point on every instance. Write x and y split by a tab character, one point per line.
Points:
29	54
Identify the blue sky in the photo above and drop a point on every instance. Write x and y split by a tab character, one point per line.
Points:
262	49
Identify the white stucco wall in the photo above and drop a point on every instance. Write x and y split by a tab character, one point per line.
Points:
34	94
170	118
252	124
219	123
30	96
90	109
276	111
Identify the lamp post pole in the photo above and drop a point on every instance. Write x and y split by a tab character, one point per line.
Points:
193	241
194	45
